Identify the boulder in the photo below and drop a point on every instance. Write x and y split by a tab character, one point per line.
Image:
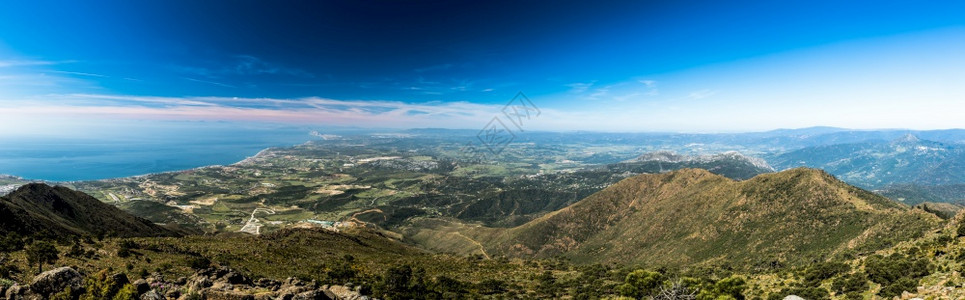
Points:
152	295
198	283
311	295
236	278
17	292
56	280
793	297
227	295
344	292
141	286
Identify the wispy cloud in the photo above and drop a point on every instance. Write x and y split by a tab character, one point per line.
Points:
25	63
650	86
701	94
243	65
580	87
80	73
301	110
209	82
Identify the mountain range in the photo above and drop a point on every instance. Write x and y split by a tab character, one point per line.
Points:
875	164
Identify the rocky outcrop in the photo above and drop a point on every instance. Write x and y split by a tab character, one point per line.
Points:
213	283
57	280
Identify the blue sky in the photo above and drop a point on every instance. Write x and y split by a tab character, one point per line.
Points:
695	66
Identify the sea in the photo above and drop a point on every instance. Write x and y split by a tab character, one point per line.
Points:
107	155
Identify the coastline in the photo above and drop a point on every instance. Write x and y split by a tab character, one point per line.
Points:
246	159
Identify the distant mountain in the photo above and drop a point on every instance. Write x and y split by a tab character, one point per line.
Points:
508	202
37	209
692	216
875	164
912	194
731	164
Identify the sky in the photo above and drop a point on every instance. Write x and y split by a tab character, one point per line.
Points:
627	66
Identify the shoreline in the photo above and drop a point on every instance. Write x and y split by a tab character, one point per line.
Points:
259	153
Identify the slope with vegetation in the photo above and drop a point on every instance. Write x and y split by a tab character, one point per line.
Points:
691	217
37	209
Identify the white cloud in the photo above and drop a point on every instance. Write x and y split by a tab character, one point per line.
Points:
580	87
303	110
24	63
701	94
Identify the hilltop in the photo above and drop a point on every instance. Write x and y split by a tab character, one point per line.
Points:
42	210
692	216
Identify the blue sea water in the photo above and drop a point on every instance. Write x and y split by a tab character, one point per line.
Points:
102	156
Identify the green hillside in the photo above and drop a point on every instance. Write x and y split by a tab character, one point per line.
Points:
37	209
692	216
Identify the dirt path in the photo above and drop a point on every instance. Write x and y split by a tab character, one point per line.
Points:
253	226
481	249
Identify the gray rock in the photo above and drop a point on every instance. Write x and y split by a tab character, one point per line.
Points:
311	295
344	292
793	297
56	280
227	295
152	295
196	284
141	286
236	278
16	291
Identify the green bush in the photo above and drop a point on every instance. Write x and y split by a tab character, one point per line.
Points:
819	272
641	283
102	286
888	269
199	262
128	292
491	287
895	288
731	287
850	284
11	242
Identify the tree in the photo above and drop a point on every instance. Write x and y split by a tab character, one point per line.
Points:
40	253
403	282
641	283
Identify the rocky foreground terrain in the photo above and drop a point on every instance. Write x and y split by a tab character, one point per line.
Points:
213	283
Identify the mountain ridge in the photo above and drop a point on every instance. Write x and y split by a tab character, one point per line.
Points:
39	209
692	216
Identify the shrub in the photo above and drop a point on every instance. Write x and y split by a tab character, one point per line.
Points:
11	242
491	287
850	283
199	262
731	287
641	283
887	269
900	285
823	271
